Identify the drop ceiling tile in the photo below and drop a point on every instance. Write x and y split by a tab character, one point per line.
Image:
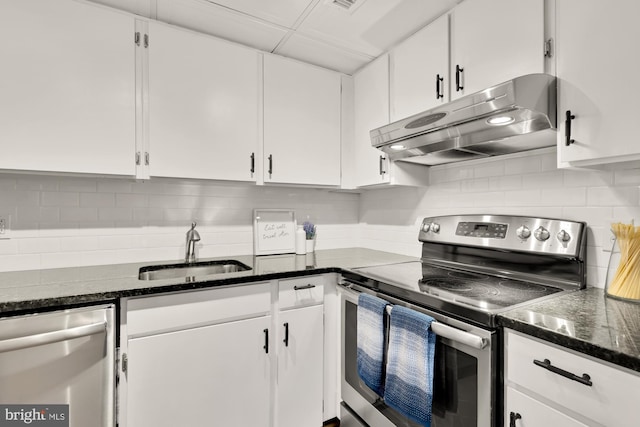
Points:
373	27
322	54
282	12
208	18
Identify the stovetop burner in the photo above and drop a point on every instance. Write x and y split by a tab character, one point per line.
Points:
484	291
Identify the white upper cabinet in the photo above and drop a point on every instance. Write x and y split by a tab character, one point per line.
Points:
493	41
371	105
203	106
597	65
67	85
371	110
302	119
420	71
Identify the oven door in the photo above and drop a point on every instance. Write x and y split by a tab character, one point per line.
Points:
464	377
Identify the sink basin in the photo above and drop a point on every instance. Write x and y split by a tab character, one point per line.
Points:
189	271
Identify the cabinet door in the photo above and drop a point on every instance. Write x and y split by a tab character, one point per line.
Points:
531	413
371	102
301	123
67	85
213	375
494	41
300	368
203	106
596	75
420	71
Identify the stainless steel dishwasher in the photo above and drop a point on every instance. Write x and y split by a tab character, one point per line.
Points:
58	368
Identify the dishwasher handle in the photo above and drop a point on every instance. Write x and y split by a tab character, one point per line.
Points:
36	340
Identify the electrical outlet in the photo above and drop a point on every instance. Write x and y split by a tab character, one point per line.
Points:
5	226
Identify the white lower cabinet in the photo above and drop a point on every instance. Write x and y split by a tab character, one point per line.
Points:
230	356
203	376
300	361
547	385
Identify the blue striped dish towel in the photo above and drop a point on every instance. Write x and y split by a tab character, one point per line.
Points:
410	365
371	341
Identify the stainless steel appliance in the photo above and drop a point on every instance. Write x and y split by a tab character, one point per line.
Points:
63	360
517	115
472	268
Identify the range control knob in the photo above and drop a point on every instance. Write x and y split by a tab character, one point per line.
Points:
563	236
426	227
541	234
523	232
435	227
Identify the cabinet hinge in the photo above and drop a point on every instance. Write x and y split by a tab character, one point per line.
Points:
548	48
146	40
136	38
125	363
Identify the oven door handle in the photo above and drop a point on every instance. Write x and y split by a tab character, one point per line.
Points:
458	335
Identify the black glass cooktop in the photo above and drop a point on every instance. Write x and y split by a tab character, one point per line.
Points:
474	291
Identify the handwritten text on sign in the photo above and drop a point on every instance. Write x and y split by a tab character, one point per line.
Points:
276	231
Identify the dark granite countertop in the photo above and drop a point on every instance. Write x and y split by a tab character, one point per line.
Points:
46	289
585	321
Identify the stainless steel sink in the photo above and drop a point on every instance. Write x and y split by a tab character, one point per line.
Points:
191	270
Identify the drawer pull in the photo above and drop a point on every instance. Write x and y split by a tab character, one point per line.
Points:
300	288
266	340
286	334
546	364
513	417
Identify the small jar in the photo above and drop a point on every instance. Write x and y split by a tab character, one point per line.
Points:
301	241
621	284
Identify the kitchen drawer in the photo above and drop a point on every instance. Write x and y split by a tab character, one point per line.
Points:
610	399
175	311
301	292
534	413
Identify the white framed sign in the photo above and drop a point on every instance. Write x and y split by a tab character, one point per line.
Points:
274	231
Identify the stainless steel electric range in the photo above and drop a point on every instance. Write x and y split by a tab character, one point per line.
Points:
472	268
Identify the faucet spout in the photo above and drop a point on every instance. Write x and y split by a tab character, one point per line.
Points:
190	247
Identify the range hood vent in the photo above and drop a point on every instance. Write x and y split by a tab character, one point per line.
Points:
514	116
345	4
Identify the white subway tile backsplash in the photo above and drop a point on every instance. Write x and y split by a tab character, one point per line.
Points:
115	214
70	214
79	185
627	177
523	165
98	200
132	200
613	196
562	197
59	199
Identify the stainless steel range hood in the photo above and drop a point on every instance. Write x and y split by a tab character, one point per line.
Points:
517	115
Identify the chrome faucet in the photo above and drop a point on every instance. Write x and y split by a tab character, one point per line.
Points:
192	237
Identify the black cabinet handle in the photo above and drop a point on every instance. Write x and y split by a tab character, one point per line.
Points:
266	340
381	165
253	162
286	334
546	364
438	81
299	288
270	164
513	417
459	71
567	128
